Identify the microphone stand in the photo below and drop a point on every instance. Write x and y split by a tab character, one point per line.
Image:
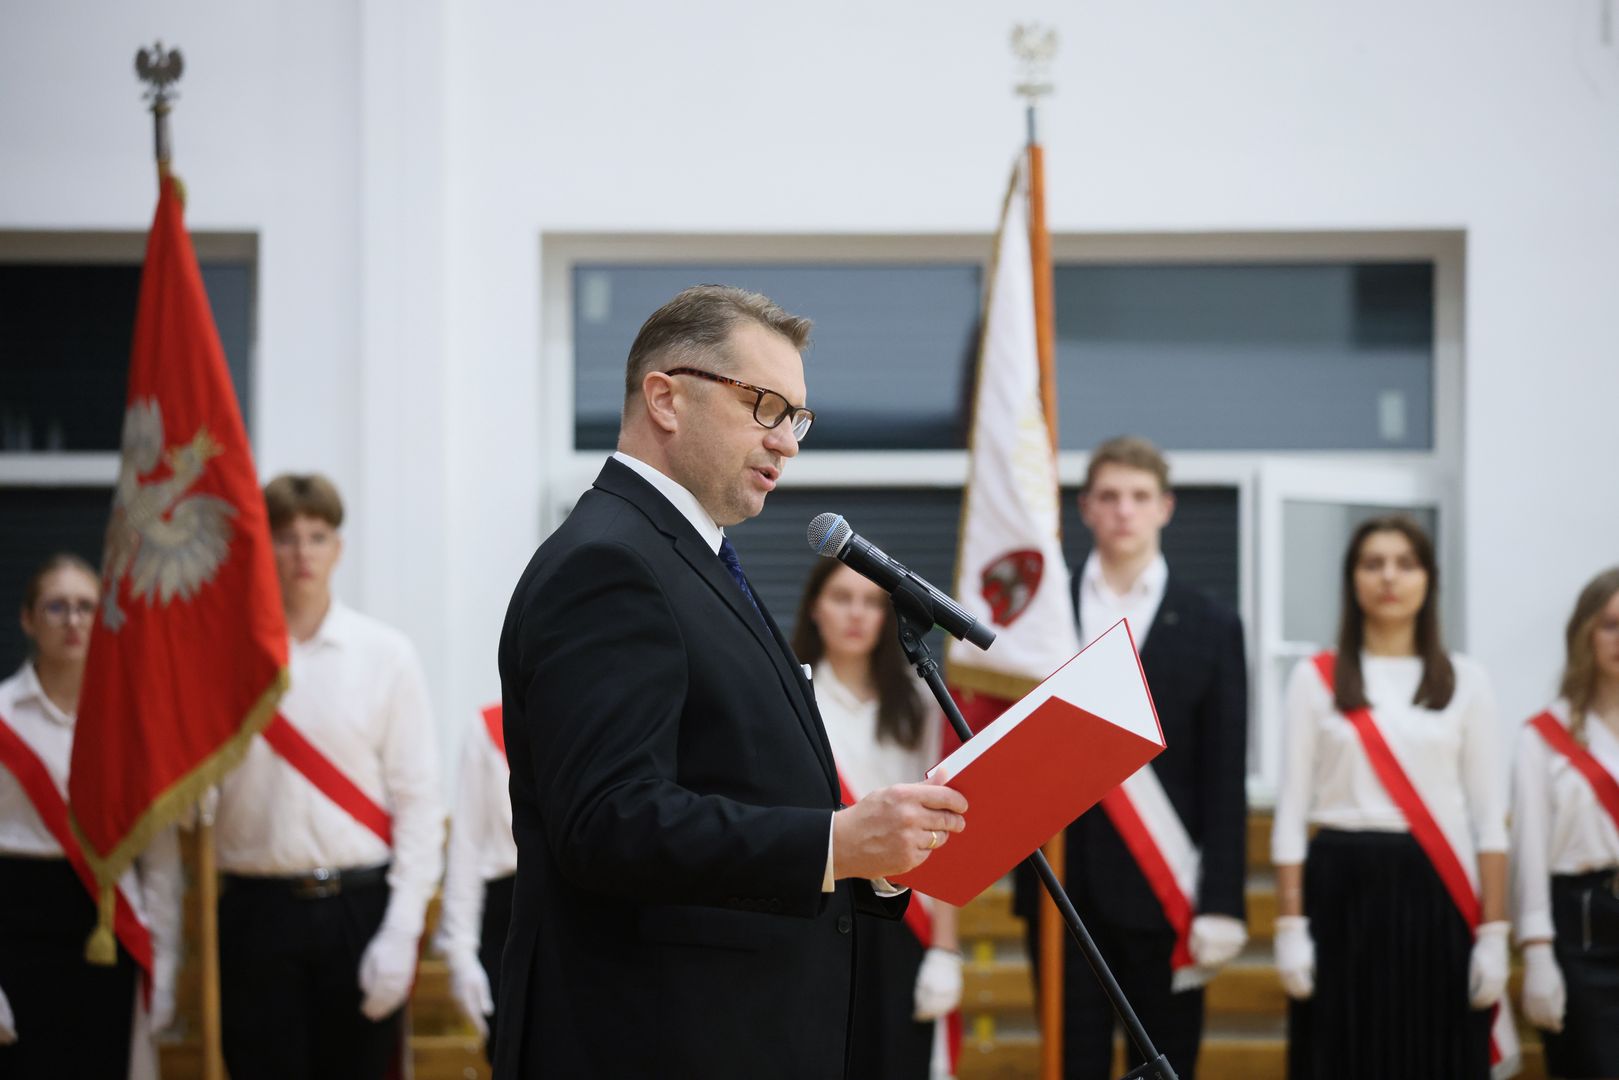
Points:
915	614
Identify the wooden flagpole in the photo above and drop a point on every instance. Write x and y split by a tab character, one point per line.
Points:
160	69
1035	47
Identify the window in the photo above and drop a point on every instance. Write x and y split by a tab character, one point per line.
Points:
1250	358
67	313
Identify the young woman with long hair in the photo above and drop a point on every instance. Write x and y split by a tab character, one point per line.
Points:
1565	847
884	729
1388	977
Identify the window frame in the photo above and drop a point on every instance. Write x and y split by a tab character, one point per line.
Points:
567	472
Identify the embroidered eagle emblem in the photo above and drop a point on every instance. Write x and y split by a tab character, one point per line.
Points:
168	543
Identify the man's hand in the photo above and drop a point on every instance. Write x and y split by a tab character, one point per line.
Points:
894	829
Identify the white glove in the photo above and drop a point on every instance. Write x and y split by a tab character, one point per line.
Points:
938	984
1487	973
1295	956
1216	940
8	1022
386	972
165	976
1544	995
469	986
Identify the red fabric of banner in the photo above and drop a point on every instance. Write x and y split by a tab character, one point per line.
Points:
189	649
1602	782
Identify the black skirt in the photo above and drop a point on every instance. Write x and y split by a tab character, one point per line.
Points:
73	1017
884	1042
1391	959
1585	914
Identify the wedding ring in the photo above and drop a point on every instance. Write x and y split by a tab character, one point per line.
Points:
933	840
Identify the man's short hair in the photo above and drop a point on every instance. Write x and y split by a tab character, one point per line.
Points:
1132	452
292	495
693	328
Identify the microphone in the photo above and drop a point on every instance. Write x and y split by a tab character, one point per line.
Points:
831	537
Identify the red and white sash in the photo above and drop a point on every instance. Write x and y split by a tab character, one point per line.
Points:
497	730
1559	738
920	922
1157	839
296	750
1457	876
19	759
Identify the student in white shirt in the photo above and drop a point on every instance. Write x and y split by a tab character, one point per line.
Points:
1565	849
61	1016
319	916
1385	975
884	729
479	874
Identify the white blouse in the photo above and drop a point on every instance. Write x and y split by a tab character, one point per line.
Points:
1558	826
481	846
1450	755
864	762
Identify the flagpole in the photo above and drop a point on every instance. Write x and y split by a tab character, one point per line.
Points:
1035	48
160	69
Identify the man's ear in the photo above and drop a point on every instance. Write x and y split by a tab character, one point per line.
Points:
662	400
1169	507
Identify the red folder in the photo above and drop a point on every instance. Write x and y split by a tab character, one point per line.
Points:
1042	763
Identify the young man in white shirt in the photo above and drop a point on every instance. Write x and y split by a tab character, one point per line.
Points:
330	832
1192	654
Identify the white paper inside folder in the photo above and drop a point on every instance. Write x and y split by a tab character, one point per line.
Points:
1104	679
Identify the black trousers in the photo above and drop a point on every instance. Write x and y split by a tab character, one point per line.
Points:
497	920
1140	961
289	972
1585	914
73	1017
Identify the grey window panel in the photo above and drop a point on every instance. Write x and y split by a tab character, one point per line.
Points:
1247	357
65	334
890	357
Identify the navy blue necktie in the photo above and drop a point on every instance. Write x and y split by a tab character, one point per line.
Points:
734	565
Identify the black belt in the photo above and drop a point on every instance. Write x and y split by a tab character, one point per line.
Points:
316	884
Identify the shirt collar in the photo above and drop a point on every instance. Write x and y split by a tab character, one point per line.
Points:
31	689
337	628
1150	581
679	498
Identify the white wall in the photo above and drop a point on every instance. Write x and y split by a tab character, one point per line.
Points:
401	163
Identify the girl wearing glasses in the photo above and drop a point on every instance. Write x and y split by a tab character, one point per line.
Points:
884	730
1565	847
59	1014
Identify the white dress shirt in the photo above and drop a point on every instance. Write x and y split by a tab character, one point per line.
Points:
152	885
1450	755
358	695
1100	607
1558	826
481	844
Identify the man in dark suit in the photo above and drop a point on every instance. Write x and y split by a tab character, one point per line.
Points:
686	882
1193	657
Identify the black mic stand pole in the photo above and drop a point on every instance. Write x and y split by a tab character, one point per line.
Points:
915	620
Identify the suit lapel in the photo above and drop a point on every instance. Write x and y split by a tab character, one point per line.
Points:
620	480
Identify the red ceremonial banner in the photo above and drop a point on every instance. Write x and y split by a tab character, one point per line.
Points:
188	656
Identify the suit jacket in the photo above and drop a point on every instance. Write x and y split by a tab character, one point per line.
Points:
671	787
1195	667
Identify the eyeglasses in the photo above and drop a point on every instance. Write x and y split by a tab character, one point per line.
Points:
769	408
61	612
